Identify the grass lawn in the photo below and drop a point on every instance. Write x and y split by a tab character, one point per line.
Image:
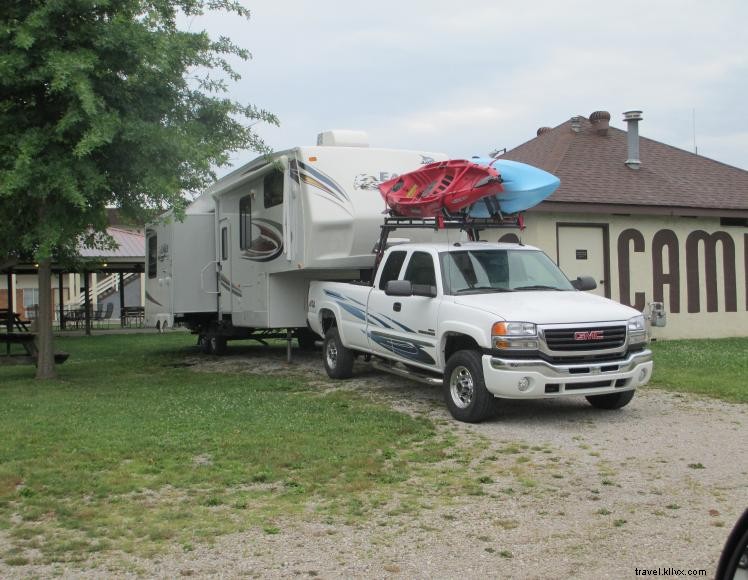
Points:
716	367
130	449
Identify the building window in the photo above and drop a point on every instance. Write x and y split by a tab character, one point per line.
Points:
152	256
245	222
273	188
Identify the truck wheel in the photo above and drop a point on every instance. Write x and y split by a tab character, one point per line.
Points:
217	345
611	401
465	389
338	359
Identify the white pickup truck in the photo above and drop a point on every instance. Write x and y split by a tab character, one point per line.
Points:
486	321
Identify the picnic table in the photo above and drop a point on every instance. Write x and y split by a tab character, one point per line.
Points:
15	331
132	315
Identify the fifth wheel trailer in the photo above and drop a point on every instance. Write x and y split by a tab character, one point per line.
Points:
239	265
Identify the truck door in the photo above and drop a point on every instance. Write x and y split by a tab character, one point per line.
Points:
404	327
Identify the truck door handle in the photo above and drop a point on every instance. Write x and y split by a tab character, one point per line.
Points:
397	306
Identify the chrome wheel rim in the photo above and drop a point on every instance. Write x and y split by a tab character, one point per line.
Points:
461	387
332	354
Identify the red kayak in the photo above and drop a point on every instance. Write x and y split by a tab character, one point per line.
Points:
451	185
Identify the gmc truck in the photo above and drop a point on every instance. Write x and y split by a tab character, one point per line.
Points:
485	321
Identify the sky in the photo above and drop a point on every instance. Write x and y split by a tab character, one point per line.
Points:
466	78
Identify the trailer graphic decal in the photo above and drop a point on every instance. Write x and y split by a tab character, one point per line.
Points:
410	349
267	241
332	191
152	299
233	288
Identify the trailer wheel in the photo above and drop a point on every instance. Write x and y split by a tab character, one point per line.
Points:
217	345
338	358
611	401
306	339
204	344
465	390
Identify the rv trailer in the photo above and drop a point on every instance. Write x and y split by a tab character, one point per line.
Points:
239	265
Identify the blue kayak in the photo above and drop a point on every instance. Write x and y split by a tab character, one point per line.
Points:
524	187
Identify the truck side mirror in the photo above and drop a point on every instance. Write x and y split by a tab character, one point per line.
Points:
584	283
398	288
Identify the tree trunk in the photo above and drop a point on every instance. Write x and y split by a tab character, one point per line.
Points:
45	365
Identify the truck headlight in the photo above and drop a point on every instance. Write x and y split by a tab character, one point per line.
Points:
637	330
514	335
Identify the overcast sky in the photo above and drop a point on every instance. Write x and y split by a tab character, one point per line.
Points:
467	77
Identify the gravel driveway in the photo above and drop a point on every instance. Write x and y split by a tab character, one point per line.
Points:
569	491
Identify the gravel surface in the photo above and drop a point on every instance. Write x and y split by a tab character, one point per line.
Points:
593	494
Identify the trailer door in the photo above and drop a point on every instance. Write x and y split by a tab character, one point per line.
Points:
225	278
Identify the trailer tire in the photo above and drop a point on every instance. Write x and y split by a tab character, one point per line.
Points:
338	359
217	345
204	344
611	401
306	339
465	391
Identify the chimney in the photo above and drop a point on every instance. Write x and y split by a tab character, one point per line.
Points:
600	122
632	119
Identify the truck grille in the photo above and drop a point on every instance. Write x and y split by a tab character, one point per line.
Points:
588	338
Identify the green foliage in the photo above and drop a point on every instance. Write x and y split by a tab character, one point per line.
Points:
131	449
108	103
715	367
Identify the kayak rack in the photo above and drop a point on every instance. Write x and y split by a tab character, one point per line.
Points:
472	226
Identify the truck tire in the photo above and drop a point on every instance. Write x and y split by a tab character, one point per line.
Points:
465	391
611	401
338	358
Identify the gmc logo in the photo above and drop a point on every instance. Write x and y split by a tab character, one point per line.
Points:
589	335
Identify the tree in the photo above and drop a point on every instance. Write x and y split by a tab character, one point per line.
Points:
107	103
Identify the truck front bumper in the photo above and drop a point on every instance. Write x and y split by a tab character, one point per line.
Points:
534	379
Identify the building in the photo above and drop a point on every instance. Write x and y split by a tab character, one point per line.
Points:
651	222
116	277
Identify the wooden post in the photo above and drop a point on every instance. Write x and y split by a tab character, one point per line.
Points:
9	323
61	299
11	310
121	299
87	303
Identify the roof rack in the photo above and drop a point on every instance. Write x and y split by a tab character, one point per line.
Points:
473	227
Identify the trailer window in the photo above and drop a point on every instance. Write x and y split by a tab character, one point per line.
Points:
224	243
273	188
152	256
245	222
391	268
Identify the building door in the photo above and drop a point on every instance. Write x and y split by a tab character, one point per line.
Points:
583	251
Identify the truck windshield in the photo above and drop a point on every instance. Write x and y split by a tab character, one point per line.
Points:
483	271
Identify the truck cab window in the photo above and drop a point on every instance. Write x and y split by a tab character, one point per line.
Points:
273	188
391	268
152	256
245	222
421	269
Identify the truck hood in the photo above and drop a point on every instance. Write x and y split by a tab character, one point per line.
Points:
548	306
